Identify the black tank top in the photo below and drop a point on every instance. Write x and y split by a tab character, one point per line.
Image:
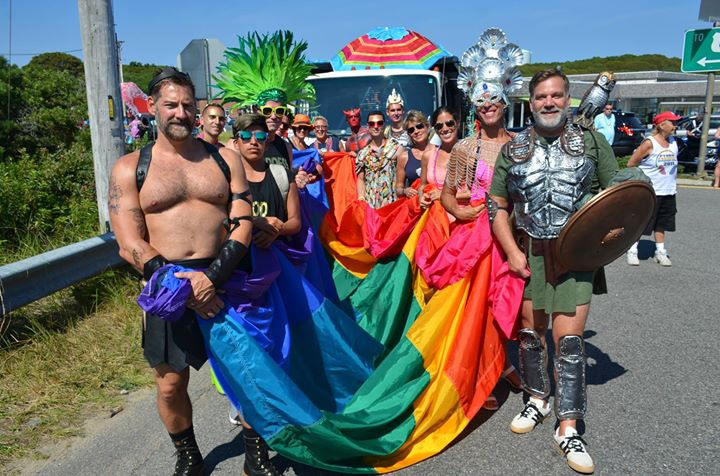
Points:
276	153
412	169
267	198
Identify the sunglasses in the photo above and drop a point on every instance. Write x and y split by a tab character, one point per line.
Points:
268	111
245	136
418	127
376	123
304	128
439	125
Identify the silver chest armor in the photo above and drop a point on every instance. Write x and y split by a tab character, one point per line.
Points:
546	182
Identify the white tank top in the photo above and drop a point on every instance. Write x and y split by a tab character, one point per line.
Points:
661	166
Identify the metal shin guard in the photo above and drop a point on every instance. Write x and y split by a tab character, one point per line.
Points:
570	394
533	363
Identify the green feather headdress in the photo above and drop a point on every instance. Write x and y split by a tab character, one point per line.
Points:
262	68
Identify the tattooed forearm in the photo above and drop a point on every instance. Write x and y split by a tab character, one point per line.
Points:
139	218
115	193
137	259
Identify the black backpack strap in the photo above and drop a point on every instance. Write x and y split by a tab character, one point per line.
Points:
212	150
143	165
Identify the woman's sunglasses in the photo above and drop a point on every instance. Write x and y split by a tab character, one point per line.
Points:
376	123
268	111
245	136
439	125
418	127
303	128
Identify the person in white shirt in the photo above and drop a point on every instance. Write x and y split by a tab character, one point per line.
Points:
657	158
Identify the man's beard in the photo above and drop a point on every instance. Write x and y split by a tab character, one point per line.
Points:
550	124
176	130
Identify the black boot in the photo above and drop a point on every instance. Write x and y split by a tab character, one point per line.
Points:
189	460
257	462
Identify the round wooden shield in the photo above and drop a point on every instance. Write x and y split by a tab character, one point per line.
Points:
606	226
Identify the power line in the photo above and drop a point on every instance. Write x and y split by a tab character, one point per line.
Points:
43	52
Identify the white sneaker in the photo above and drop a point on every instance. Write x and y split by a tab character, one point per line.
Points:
573	447
662	258
632	258
533	414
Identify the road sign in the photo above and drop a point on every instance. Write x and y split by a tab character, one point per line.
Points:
701	51
709	10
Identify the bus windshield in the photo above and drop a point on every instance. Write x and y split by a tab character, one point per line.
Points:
369	93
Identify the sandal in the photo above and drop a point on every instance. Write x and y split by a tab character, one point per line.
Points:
491	403
511	372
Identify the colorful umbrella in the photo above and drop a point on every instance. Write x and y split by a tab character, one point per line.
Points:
388	47
134	98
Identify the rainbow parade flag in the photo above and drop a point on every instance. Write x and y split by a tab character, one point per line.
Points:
369	342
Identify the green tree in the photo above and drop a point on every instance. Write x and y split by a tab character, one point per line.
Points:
54	108
615	64
11	87
58	62
140	74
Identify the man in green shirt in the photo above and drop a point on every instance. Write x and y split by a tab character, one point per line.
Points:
545	174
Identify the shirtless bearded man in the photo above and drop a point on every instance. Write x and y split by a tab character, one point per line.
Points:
174	211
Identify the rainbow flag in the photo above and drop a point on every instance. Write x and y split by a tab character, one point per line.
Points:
381	364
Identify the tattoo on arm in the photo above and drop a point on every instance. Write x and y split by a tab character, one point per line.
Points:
114	196
137	258
139	218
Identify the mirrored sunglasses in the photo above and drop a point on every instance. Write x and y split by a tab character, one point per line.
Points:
245	136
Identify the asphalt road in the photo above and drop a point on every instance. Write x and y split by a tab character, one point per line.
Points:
653	376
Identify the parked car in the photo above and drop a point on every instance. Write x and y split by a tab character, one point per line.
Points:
629	133
689	145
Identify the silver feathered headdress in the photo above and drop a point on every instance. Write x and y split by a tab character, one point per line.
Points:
489	69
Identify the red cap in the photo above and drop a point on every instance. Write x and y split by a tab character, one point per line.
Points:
665	116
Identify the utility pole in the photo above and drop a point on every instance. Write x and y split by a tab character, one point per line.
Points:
709	93
102	84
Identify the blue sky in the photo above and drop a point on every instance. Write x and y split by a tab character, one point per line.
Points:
553	30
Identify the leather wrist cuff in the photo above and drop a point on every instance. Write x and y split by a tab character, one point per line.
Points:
227	260
152	265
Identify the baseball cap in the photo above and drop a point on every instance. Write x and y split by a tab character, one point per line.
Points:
665	116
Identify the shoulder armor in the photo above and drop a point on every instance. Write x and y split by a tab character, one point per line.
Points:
520	149
572	140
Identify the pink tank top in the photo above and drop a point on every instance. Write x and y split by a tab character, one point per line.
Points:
434	176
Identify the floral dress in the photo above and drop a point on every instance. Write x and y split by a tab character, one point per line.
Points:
379	167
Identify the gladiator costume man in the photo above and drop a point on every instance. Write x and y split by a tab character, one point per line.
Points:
543	176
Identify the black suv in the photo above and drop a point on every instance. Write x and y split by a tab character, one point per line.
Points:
629	133
689	146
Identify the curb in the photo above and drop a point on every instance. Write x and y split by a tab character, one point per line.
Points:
695	182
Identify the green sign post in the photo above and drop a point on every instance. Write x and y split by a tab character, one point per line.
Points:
701	51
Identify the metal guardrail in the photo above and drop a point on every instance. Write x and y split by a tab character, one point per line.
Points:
33	278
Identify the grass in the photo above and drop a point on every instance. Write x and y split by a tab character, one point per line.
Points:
65	358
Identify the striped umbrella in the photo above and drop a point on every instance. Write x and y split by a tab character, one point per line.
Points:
388	47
